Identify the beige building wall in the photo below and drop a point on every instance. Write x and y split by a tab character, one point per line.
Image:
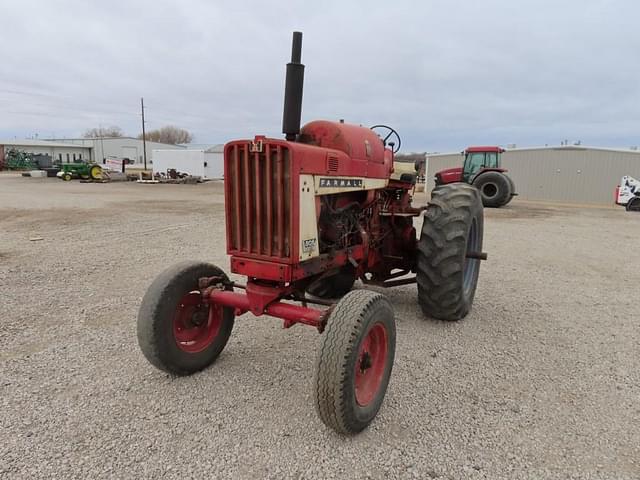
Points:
570	174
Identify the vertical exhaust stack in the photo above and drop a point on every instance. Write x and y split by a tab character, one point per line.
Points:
293	90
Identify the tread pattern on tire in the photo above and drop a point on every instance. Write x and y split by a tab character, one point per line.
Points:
442	251
513	190
340	338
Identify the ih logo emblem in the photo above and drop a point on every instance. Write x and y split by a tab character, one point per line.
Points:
256	146
333	182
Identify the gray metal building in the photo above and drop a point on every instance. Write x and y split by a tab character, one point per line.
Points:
562	174
119	147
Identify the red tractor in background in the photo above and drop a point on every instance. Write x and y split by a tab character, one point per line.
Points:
305	218
482	169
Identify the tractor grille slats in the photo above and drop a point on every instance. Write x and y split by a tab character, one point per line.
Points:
258	200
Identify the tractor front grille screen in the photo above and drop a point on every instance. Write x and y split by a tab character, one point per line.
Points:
258	200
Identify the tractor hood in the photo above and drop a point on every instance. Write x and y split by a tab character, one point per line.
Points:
449	175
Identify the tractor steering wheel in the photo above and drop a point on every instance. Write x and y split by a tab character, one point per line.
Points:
396	146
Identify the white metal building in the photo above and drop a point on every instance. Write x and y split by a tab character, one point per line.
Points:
206	163
121	148
562	174
58	151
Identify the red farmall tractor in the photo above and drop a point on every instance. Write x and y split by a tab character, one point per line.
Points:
482	169
306	217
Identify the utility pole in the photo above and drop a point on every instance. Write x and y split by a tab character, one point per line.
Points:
104	158
144	136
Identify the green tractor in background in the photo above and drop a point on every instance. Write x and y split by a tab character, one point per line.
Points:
85	171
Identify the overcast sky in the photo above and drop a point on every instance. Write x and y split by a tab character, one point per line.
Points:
445	74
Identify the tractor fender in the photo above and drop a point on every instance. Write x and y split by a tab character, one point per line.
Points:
449	175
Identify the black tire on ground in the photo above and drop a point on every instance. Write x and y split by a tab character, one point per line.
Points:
334	286
633	205
66	177
513	189
354	362
157	318
453	225
494	188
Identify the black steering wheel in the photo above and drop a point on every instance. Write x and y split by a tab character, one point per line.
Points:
395	147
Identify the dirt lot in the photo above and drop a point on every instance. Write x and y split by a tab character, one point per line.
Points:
542	380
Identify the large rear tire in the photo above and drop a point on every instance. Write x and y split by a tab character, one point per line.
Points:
95	172
334	286
177	332
453	226
494	188
354	362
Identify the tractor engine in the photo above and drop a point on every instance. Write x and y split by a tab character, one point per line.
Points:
340	223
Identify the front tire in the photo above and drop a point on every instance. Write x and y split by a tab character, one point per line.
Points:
453	226
177	332
354	362
494	188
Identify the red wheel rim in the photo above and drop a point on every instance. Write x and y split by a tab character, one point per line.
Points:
370	364
195	325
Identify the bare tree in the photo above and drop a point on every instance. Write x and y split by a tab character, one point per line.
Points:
106	132
169	134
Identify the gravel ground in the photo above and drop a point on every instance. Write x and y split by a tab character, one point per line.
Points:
542	380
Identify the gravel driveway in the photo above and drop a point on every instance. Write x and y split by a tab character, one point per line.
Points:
542	380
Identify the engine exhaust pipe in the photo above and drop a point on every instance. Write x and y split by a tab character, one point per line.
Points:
293	90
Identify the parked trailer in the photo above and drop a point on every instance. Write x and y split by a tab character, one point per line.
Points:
207	164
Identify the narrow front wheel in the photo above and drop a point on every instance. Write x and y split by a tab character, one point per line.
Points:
177	331
354	362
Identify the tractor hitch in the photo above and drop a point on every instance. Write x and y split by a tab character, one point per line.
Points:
477	255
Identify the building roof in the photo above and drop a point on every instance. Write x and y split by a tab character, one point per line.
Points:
40	143
109	139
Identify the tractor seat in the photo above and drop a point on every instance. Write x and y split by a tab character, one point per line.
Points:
404	172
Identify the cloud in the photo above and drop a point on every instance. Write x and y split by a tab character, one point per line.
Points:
445	74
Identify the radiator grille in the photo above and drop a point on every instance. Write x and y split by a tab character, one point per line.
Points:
258	200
